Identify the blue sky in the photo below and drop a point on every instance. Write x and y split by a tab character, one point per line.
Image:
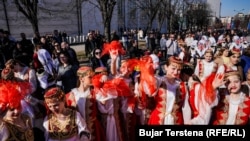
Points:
232	7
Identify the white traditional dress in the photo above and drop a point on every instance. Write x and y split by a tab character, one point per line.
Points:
199	102
86	104
203	69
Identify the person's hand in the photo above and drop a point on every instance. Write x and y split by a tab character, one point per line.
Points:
113	54
104	78
218	80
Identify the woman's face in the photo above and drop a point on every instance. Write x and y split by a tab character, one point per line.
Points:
234	84
98	53
208	57
56	106
43	40
17	67
87	80
63	58
173	70
57	47
124	70
13	113
225	52
235	58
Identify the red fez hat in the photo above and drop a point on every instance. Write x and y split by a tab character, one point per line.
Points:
100	69
234	50
54	94
85	70
7	74
175	59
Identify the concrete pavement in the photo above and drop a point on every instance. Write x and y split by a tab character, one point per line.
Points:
78	47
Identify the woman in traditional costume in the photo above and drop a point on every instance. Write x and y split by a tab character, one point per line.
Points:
61	123
14	125
169	99
234	108
146	85
121	75
233	65
200	96
206	66
83	99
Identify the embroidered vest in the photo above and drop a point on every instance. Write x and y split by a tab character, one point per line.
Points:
57	131
20	134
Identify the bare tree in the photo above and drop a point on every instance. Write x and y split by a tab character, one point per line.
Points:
149	8
162	14
106	8
29	9
241	22
198	14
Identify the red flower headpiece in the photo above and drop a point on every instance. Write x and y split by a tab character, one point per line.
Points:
12	93
117	84
96	81
147	74
114	45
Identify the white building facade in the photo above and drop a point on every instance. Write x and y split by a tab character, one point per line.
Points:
215	6
77	19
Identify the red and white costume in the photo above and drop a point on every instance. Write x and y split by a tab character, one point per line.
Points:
232	112
110	95
169	101
85	103
199	101
203	69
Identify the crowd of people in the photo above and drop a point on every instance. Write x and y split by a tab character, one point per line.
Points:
187	78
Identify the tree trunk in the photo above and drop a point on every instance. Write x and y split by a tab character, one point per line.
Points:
34	24
107	30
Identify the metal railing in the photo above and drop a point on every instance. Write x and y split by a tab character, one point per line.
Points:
76	39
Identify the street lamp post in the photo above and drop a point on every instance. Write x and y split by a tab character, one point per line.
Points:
239	11
236	19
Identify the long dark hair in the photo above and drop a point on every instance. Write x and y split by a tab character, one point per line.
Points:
94	50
